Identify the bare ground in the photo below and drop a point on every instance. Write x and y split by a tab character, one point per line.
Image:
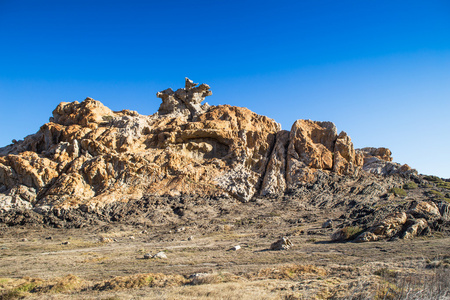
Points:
313	268
83	255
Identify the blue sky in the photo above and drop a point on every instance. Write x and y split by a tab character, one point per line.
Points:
380	70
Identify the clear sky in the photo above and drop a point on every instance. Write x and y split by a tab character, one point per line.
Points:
380	70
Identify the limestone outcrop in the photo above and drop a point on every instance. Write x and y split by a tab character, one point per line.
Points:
88	156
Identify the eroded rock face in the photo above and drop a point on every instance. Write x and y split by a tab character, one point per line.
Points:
413	222
88	156
379	161
185	102
275	178
317	146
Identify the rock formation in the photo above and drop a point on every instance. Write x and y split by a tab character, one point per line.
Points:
88	156
405	225
185	102
379	161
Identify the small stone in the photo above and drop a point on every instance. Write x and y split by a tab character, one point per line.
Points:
160	255
181	229
327	224
147	256
190	238
66	243
131	237
24	240
106	240
236	248
283	243
49	238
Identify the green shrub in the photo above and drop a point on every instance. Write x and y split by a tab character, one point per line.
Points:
399	192
410	185
434	179
444	185
346	233
434	193
426	185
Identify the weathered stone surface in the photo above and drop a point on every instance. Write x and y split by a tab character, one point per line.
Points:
379	161
316	146
275	178
380	153
184	102
416	227
404	225
346	160
388	227
160	255
88	156
367	237
425	209
13	202
87	113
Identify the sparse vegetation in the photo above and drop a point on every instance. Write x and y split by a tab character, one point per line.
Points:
313	268
140	280
107	118
434	193
438	195
432	178
438	182
399	192
415	286
410	185
386	273
288	272
346	233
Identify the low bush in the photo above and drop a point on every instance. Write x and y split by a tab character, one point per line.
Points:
434	193
399	192
346	233
434	179
410	185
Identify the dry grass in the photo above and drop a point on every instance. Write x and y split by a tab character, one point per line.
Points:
20	288
213	278
140	280
288	272
281	282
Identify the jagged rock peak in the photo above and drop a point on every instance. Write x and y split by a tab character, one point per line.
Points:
185	102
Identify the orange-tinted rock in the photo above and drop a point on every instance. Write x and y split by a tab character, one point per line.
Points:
346	160
380	153
316	146
89	155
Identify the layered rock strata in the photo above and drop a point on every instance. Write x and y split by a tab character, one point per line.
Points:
88	156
